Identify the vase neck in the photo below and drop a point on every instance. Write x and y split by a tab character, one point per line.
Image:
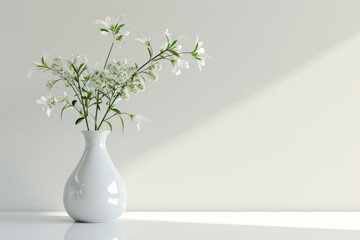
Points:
95	138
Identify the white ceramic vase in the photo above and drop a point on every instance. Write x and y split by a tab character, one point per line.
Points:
95	191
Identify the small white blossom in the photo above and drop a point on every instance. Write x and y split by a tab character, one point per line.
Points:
200	54
143	40
112	27
48	103
50	84
171	37
76	59
56	65
156	66
124	94
36	67
65	98
152	75
179	63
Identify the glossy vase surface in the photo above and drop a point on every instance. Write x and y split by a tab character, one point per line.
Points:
95	191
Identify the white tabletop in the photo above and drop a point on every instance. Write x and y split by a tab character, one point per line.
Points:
185	226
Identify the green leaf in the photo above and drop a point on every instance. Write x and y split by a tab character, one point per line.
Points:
109	125
104	30
116	110
84	68
136	66
175	53
150	53
118	28
79	120
119	38
132	116
73	102
196	47
122	123
174	42
72	65
81	65
89	94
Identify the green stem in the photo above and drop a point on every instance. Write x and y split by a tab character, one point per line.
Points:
83	104
107	111
97	93
151	59
80	100
112	45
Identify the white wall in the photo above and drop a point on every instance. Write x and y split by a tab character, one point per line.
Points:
272	123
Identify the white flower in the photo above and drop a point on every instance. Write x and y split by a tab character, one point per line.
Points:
113	28
139	119
76	59
168	35
50	84
65	98
44	57
36	68
171	38
179	63
121	62
143	40
48	103
200	54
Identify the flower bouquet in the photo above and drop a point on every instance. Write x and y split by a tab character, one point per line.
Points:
94	92
95	191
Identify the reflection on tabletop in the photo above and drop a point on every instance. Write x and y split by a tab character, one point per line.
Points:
63	228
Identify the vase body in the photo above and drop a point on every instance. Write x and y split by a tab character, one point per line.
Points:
95	191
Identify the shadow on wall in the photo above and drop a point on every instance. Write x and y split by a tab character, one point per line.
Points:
261	43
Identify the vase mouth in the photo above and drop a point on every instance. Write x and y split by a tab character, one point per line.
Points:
94	131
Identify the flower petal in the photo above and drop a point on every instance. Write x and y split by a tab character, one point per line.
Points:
48	111
176	70
104	33
200	51
182	63
102	22
140	40
108	20
125	32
